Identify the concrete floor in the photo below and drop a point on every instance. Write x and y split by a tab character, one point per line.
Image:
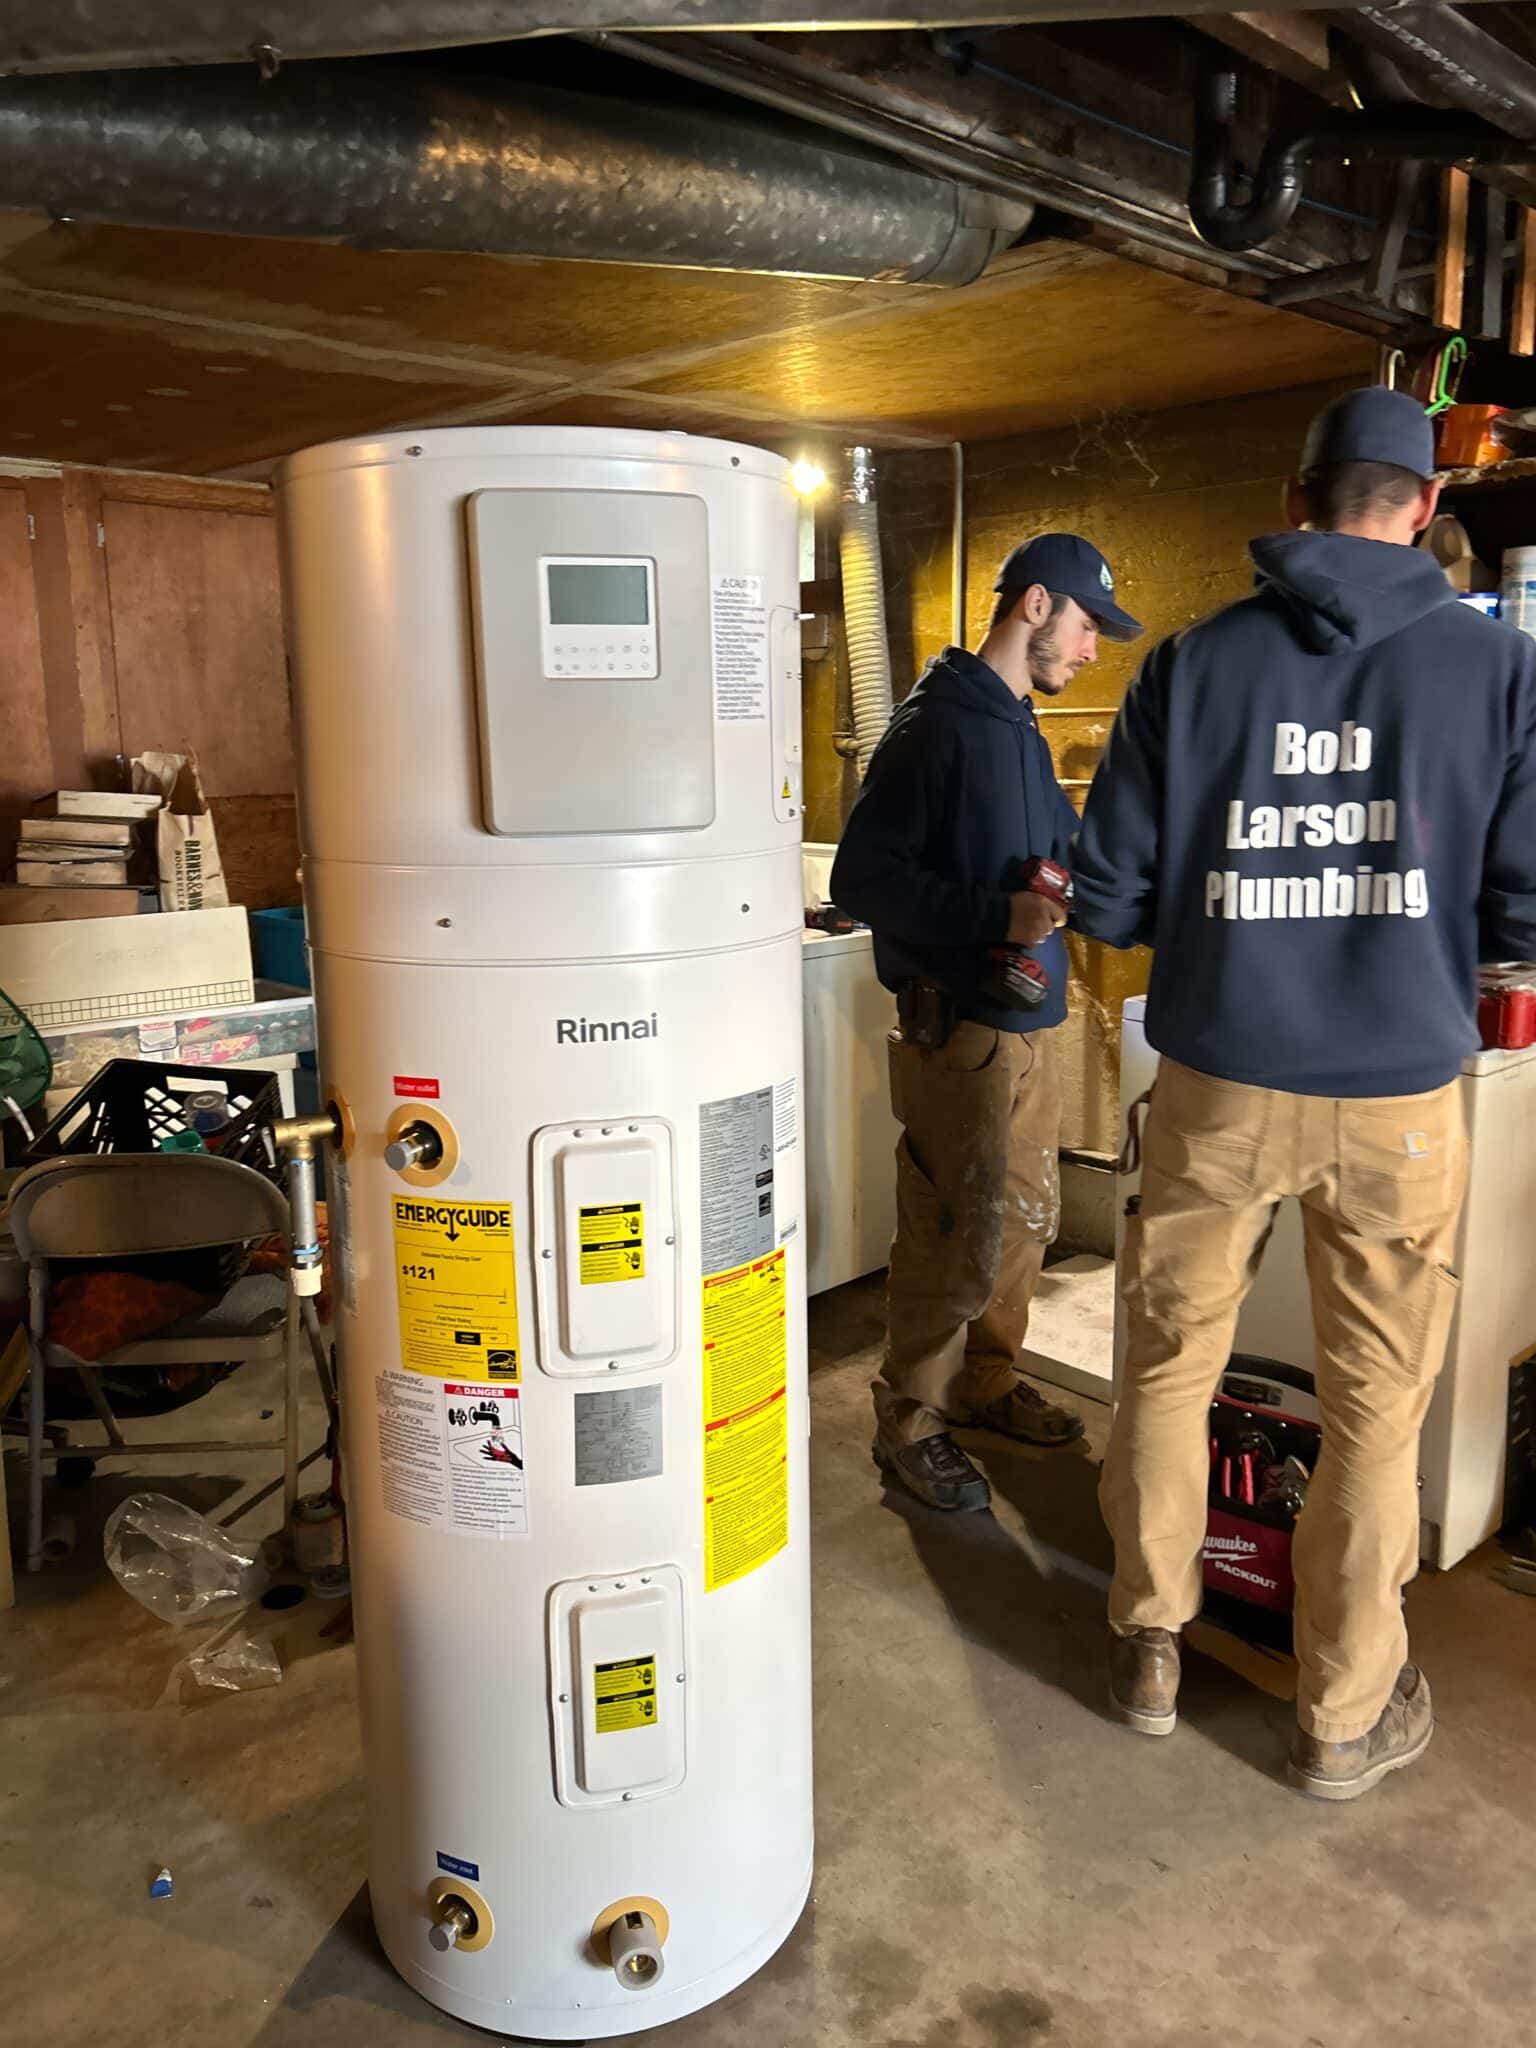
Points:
999	1866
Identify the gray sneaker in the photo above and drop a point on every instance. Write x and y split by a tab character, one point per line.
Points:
938	1472
1029	1418
1343	1770
1144	1679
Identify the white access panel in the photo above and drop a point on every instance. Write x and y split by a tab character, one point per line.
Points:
620	1699
1462	1450
605	1220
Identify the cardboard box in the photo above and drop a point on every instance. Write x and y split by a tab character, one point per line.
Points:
106	832
24	904
63	872
99	970
100	803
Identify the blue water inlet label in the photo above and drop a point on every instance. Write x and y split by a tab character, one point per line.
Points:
455	1866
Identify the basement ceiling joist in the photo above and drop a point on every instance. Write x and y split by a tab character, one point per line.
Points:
209	354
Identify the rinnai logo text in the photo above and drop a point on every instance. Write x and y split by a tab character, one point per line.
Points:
595	1031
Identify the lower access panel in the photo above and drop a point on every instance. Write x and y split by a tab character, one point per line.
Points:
618	1686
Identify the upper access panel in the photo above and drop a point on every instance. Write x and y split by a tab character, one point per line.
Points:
594	660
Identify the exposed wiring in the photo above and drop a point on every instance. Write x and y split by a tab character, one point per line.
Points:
962	54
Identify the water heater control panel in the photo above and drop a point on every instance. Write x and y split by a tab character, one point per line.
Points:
597	617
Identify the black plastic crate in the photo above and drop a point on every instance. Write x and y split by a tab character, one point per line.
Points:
132	1104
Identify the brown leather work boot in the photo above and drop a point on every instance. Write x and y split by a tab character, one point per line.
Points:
1029	1418
937	1472
1144	1679
1343	1770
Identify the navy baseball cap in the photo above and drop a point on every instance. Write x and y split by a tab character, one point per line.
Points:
1068	567
1374	425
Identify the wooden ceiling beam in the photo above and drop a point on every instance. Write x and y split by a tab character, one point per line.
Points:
1295	45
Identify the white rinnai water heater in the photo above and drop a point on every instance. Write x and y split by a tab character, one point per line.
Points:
547	687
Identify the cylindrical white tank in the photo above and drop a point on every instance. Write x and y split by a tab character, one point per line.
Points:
546	683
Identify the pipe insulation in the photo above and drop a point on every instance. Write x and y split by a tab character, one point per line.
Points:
386	155
869	648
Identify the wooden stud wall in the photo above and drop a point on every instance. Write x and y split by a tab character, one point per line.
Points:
141	612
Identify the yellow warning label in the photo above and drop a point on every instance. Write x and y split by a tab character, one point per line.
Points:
624	1695
456	1275
612	1243
746	1438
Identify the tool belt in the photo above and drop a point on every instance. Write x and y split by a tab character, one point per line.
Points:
927	1014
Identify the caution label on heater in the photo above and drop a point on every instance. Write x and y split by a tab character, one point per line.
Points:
455	1272
746	1438
624	1695
612	1243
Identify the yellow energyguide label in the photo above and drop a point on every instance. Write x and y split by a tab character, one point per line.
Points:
746	1433
624	1695
455	1273
612	1243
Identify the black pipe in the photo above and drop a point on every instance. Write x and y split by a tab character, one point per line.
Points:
1278	185
388	155
1461	61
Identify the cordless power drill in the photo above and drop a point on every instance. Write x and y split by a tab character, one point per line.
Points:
1014	980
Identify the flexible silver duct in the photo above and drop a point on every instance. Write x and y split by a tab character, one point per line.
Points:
388	155
869	650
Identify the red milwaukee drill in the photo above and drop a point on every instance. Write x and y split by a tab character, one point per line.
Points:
1014	980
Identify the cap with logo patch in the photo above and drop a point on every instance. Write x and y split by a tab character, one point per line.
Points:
1068	566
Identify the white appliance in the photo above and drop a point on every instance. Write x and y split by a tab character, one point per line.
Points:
850	1133
1462	1449
551	817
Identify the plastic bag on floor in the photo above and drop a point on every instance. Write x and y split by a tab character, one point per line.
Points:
177	1563
240	1662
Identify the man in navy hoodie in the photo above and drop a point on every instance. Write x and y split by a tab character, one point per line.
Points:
1319	806
959	796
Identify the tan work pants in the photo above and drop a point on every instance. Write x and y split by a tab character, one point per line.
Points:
1381	1181
978	1199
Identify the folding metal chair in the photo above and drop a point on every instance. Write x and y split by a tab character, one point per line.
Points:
119	1205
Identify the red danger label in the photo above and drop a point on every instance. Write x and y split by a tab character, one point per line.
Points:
416	1085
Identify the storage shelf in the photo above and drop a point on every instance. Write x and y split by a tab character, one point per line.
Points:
1519	469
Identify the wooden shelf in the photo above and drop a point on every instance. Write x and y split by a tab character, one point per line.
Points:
1519	469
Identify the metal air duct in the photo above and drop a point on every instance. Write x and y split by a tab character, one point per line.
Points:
383	155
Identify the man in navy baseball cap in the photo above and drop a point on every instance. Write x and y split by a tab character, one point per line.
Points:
1373	425
1065	566
1318	807
942	858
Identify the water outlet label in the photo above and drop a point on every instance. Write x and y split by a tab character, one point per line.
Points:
612	1243
455	1272
624	1695
746	1436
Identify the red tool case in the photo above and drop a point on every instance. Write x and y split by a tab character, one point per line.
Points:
1265	1435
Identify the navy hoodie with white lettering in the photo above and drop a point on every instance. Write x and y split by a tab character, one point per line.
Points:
1319	806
